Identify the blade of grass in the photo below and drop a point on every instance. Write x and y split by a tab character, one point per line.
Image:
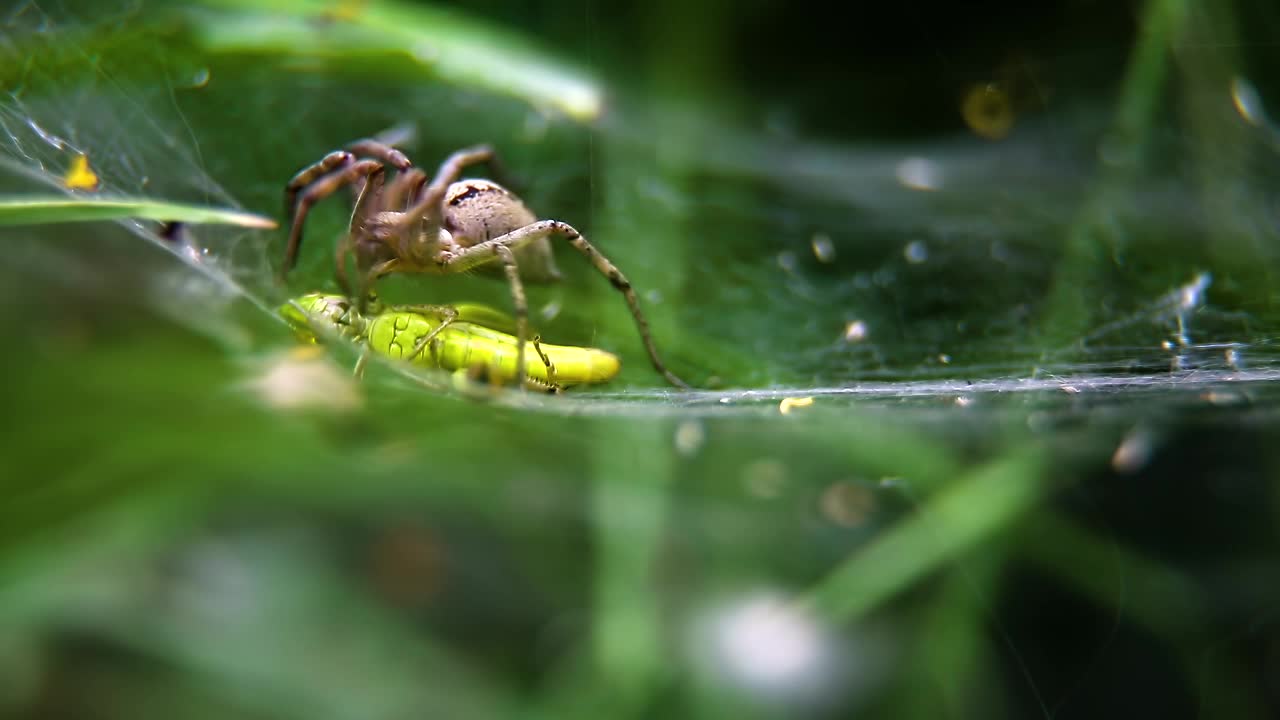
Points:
630	506
36	210
440	43
1090	241
951	523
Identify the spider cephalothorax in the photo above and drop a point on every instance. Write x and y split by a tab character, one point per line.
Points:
442	226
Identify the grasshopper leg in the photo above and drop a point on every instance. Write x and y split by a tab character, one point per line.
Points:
358	371
551	367
446	314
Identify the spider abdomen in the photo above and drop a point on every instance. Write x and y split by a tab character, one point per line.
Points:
478	210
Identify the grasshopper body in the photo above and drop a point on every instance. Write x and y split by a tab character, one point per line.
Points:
463	338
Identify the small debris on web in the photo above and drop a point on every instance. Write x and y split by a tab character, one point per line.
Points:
790	403
80	176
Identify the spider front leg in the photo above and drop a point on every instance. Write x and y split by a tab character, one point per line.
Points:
307	175
326	185
462	259
369	203
421	219
425	213
382	151
404	189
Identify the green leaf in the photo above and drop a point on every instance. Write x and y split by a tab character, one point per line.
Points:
47	210
435	42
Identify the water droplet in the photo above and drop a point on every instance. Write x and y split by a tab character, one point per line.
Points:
919	173
823	248
916	252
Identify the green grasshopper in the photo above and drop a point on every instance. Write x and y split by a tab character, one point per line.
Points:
462	338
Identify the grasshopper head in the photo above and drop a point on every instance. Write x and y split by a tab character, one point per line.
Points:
306	313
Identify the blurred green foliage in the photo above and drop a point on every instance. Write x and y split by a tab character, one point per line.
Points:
1022	263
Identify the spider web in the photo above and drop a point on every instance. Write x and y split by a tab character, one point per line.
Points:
854	278
65	101
144	131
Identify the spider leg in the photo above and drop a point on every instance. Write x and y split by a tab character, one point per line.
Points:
319	190
369	202
522	308
451	169
386	267
405	186
427	206
308	175
345	246
382	151
463	259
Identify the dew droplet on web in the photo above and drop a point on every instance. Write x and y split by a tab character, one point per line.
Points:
916	252
1247	102
823	249
917	173
855	331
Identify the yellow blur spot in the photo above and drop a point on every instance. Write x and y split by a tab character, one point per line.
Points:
345	10
988	111
80	176
303	353
790	403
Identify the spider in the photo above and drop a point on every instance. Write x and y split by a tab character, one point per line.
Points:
442	226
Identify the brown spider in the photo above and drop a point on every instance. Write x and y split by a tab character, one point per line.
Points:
444	226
